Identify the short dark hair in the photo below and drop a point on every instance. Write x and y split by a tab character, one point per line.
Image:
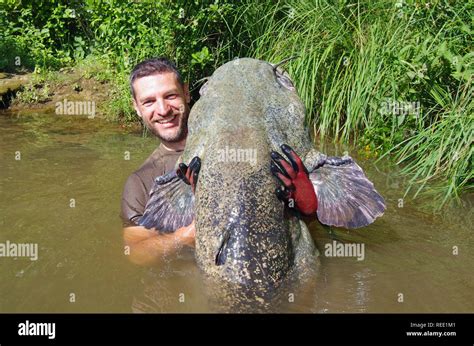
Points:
153	66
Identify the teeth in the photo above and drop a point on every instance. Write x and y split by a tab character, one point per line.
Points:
164	121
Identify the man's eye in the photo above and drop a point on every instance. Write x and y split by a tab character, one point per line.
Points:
172	96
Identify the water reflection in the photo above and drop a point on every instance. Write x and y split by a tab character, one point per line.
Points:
408	251
173	286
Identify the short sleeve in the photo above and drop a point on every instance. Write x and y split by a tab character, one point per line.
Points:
134	199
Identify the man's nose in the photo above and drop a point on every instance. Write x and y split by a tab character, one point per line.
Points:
162	108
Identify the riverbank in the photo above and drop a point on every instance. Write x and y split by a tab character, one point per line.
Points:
393	78
73	159
86	89
90	89
47	90
10	85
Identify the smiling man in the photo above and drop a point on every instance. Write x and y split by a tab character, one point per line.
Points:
161	99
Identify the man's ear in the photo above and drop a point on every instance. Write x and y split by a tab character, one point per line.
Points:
135	105
186	92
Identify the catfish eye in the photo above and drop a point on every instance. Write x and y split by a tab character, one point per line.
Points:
284	80
203	88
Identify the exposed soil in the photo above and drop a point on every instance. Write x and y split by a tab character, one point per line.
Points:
26	93
66	85
10	84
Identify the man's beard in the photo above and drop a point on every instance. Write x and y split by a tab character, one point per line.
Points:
179	135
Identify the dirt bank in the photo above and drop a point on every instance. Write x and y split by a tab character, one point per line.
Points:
10	84
51	91
84	90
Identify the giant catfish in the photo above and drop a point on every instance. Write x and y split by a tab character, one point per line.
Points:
250	236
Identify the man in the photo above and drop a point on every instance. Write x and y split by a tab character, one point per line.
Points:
161	100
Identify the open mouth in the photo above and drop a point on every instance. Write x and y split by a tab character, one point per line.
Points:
168	123
167	120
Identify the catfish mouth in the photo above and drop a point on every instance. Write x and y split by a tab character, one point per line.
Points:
263	264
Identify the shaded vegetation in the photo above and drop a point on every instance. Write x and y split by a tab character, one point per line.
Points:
395	78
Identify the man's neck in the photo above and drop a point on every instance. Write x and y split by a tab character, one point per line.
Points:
174	146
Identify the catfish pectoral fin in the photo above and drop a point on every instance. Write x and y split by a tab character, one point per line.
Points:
171	204
346	197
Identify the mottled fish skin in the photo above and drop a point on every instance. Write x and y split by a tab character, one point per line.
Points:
244	107
248	245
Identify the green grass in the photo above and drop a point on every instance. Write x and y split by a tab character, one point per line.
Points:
355	59
442	152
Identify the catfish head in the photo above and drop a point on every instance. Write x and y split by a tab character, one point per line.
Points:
248	235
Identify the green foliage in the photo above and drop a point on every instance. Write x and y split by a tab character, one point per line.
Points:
48	34
127	33
390	76
36	91
394	77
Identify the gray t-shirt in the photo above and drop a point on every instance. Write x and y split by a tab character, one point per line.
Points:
139	183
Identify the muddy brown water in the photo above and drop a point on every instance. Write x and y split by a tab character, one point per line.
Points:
63	194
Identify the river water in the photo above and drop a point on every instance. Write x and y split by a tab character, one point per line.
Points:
61	179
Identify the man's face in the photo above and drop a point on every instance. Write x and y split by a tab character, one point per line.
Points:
162	102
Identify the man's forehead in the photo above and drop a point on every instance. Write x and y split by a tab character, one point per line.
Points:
162	82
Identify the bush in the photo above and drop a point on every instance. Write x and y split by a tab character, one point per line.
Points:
391	77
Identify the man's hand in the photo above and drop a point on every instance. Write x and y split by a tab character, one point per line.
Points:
297	186
149	247
189	174
186	235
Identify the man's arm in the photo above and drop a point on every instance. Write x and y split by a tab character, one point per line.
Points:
148	247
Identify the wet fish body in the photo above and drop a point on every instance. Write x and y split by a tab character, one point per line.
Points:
245	237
